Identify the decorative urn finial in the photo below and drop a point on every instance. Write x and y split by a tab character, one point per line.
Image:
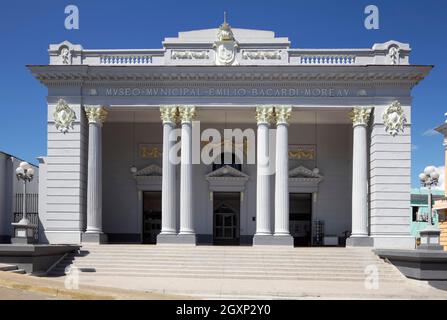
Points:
225	33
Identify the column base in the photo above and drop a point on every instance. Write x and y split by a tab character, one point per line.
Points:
23	240
273	240
98	238
262	239
359	242
190	239
167	238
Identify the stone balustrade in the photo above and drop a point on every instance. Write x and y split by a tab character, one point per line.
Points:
389	53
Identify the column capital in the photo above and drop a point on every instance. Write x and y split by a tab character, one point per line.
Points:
96	114
169	114
360	115
264	114
282	114
187	113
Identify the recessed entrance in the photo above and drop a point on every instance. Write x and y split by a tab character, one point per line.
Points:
226	218
151	216
301	218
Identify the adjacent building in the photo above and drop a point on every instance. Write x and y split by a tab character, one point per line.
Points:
331	130
11	195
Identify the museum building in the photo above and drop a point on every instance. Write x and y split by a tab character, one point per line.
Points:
333	126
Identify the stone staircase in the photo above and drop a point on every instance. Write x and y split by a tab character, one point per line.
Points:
217	262
11	268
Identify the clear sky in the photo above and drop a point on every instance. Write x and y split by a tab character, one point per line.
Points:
27	27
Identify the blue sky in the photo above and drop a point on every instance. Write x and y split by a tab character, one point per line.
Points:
27	27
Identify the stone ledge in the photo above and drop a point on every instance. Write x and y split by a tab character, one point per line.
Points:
417	264
34	258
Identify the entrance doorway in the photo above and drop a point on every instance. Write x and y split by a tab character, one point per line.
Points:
226	218
151	216
301	218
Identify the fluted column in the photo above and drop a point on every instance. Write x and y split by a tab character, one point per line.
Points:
263	209
96	116
360	235
187	232
168	232
282	116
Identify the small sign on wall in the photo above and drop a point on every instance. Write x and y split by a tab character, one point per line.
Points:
150	151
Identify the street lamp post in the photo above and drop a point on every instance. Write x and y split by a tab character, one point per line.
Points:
24	229
431	234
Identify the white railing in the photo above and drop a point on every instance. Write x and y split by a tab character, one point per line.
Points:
328	59
125	60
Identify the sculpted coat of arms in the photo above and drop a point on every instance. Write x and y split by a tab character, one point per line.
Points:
63	116
226	46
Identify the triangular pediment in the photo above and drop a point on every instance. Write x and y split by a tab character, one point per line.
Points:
150	171
226	172
302	172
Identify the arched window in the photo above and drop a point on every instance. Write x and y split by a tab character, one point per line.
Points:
222	163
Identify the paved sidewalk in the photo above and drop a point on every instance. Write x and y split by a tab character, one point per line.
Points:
18	286
270	289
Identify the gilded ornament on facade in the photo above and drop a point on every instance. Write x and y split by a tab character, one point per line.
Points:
264	114
63	116
96	114
360	115
187	113
394	118
169	114
150	152
282	114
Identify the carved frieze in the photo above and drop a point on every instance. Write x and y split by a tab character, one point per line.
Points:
261	55
189	54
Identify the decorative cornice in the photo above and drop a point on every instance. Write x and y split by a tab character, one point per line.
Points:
96	114
264	114
394	118
69	74
63	116
169	114
360	115
187	113
282	114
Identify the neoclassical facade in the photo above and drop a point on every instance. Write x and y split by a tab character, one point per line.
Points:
331	130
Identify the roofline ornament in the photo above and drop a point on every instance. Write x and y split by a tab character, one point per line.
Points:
225	33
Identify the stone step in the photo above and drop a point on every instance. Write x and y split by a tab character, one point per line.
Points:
18	271
7	267
339	264
315	277
177	264
225	254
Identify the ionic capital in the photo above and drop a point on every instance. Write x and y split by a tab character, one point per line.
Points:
96	114
282	114
187	113
360	115
264	114
169	114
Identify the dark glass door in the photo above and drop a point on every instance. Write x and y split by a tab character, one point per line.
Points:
301	218
151	216
226	218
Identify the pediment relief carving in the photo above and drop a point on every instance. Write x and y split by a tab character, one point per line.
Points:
303	174
151	171
227	173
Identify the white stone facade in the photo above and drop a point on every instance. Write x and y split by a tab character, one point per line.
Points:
357	171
